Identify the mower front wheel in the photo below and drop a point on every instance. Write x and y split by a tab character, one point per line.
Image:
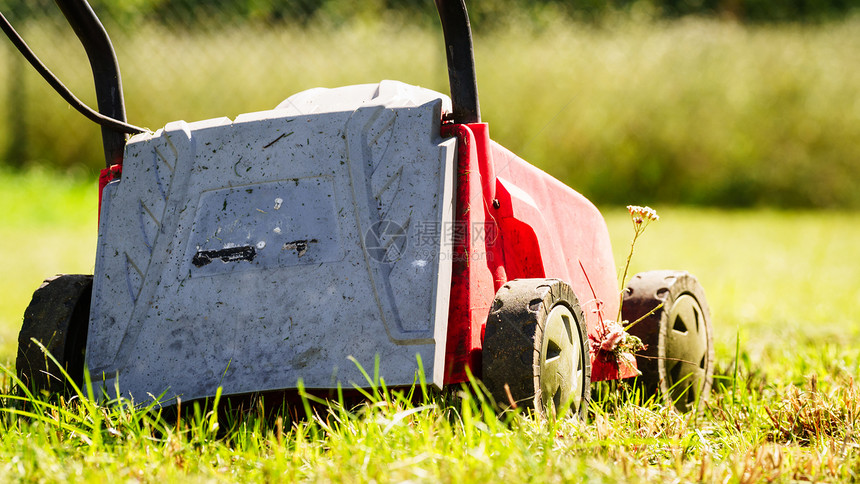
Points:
534	351
58	318
678	362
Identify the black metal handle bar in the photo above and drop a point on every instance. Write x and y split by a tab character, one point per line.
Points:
108	83
461	60
455	28
105	69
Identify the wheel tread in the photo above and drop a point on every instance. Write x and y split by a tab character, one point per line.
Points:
57	317
644	292
513	337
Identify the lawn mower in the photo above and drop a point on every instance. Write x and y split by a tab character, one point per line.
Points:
368	226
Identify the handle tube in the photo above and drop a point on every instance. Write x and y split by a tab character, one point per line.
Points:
459	53
461	60
105	69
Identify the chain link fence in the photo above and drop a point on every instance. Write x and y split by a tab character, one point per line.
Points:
187	59
194	60
619	105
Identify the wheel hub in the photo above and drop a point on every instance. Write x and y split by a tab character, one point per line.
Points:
561	361
686	350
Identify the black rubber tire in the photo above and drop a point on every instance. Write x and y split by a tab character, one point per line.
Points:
520	350
676	334
57	317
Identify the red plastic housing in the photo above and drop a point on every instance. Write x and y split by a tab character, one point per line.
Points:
515	221
106	176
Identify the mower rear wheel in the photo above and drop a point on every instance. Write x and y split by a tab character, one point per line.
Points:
535	344
57	317
678	362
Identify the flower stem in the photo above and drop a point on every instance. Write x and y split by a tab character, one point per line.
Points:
624	274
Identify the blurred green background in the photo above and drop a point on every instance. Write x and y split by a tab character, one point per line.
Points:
732	103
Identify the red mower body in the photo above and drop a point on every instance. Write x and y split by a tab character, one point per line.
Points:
515	221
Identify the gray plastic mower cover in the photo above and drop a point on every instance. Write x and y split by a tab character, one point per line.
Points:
254	253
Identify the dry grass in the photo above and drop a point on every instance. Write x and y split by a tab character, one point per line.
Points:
808	417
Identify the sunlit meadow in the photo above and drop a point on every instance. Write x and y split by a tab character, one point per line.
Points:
629	112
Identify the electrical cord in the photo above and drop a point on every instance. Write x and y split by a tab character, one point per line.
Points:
61	89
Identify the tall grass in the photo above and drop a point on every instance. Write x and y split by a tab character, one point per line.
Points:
690	111
795	433
781	284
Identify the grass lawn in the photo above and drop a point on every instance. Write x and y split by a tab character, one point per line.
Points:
783	288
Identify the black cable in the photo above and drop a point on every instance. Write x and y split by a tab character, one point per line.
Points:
61	89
